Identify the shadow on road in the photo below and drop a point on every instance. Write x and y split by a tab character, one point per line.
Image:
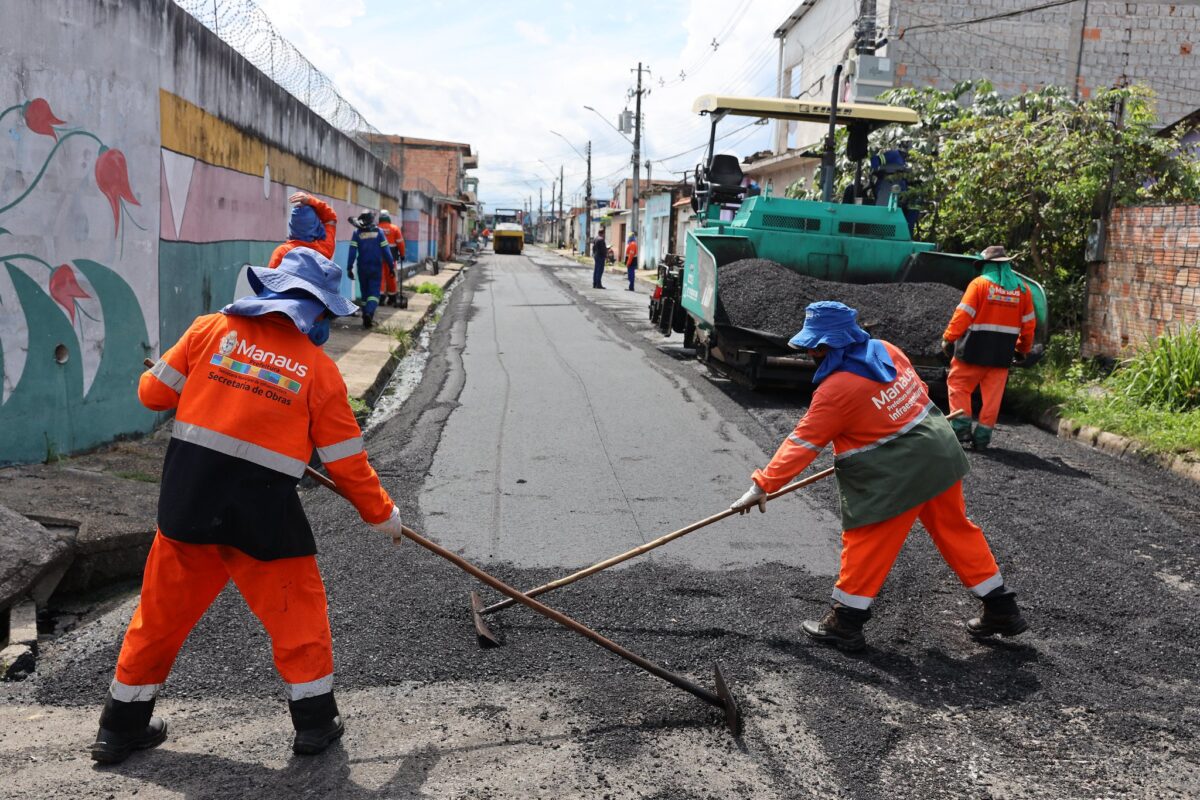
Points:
202	775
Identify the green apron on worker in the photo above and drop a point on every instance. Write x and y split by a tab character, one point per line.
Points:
887	480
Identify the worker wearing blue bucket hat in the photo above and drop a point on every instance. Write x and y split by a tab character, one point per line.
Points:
254	395
896	460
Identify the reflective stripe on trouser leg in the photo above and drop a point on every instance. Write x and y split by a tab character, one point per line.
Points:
288	597
125	693
960	541
368	287
960	383
180	582
868	553
991	386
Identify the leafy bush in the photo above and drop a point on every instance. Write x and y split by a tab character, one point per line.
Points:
1166	375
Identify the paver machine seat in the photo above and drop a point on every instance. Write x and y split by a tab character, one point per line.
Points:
725	179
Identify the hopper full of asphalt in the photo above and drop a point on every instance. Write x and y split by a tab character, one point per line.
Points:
763	295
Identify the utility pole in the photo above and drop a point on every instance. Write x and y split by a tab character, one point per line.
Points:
541	217
551	236
562	222
587	217
637	151
864	34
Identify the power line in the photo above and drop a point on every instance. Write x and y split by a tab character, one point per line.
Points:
988	18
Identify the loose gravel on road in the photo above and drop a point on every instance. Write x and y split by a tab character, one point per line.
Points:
1098	700
763	295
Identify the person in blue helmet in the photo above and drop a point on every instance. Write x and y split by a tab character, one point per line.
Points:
369	247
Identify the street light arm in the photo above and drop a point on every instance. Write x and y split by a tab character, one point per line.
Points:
609	124
568	141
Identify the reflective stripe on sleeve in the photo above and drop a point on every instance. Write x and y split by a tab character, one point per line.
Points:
968	309
172	378
247	451
920	418
983	326
852	600
980	589
353	243
1029	316
125	693
794	439
333	452
299	691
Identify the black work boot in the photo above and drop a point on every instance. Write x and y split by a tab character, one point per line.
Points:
841	626
1000	615
317	723
125	727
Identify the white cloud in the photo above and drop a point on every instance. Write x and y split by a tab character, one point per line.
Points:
472	74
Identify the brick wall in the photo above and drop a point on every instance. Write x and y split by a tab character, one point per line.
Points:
439	166
1149	281
1155	42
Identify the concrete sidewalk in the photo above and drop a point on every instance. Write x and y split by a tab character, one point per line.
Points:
366	358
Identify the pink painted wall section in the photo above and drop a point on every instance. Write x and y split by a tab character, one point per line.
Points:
202	203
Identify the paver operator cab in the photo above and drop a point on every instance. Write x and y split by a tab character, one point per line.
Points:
508	236
863	240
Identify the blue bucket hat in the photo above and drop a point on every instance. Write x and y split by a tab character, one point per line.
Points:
304	224
828	323
851	349
304	286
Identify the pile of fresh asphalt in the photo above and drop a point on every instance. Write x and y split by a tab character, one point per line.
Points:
1098	699
763	295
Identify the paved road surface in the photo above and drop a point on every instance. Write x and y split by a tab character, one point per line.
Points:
1097	701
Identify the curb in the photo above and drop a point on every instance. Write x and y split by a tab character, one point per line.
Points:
1186	467
385	373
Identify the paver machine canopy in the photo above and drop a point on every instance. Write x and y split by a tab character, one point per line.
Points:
855	241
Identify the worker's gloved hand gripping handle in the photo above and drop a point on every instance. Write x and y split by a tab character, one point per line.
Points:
755	496
391	526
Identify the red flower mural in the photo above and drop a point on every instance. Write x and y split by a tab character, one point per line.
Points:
65	289
112	176
40	119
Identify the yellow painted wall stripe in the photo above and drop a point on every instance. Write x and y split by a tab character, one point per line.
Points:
192	131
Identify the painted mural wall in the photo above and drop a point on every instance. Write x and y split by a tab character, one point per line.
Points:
143	166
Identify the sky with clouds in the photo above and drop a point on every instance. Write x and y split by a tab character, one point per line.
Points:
502	76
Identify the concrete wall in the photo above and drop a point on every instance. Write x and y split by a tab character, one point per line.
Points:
932	43
1149	281
1155	42
143	164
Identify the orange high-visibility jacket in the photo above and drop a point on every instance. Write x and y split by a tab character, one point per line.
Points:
325	246
892	447
991	323
631	253
395	238
253	397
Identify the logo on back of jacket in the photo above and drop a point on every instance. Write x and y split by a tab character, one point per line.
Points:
998	294
242	358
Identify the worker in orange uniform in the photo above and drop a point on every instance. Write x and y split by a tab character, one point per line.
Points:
896	461
992	328
392	294
253	396
312	224
631	258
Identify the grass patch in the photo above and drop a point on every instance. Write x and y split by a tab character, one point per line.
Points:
357	405
1149	398
403	337
433	289
136	475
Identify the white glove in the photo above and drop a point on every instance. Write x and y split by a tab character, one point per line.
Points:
300	198
754	497
391	526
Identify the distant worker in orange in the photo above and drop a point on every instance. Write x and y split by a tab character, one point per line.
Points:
991	329
313	224
392	294
631	258
896	461
254	395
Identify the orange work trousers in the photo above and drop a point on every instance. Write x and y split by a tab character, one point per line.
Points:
869	552
963	379
180	583
389	280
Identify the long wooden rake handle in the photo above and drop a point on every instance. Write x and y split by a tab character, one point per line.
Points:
659	542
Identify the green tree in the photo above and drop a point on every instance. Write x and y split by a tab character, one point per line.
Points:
1030	172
